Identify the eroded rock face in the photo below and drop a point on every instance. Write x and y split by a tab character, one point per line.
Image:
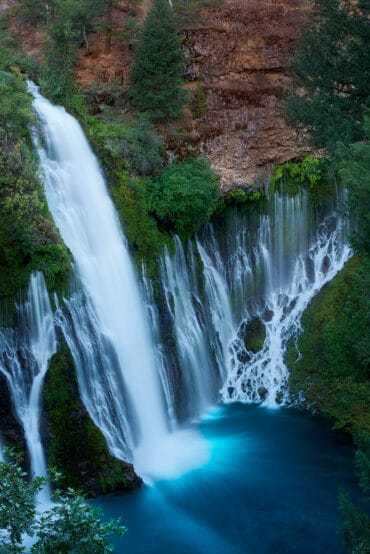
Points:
240	52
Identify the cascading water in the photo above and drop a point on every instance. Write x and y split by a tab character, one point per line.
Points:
266	269
106	328
185	307
262	267
24	357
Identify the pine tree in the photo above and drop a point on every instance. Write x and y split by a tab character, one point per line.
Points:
158	65
331	66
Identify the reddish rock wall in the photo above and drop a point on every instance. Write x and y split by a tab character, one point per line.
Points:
240	51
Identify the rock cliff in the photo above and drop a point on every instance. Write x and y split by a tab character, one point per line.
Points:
238	53
240	50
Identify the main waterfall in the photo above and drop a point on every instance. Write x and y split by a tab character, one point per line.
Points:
105	328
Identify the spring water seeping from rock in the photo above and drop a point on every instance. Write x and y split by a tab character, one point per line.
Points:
255	271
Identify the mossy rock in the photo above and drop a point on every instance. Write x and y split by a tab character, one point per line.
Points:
333	369
253	333
11	430
75	446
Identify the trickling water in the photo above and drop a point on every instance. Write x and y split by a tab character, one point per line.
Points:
106	328
24	357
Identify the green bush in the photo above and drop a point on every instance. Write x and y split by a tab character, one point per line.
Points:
133	199
356	176
185	196
242	196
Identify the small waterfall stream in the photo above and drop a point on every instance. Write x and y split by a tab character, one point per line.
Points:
24	357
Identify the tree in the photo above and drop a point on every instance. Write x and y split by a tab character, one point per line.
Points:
356	176
185	196
70	526
158	66
17	505
332	68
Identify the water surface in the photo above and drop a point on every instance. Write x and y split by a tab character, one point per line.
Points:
271	486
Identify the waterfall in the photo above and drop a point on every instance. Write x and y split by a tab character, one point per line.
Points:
105	328
141	367
265	268
24	356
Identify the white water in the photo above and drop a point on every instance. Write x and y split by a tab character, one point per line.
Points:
24	359
135	385
268	269
107	333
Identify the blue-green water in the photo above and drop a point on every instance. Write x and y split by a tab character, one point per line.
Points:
271	486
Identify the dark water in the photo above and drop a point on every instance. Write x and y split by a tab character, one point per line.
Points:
271	486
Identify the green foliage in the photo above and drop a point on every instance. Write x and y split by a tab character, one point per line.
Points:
356	176
356	522
73	527
136	147
185	196
133	199
242	196
333	370
33	12
16	109
28	237
158	65
108	137
76	447
198	101
68	22
69	526
332	66
17	505
310	173
63	38
143	148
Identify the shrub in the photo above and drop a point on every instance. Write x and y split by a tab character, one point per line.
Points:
185	196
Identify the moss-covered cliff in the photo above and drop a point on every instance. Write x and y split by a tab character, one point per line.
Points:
332	373
75	446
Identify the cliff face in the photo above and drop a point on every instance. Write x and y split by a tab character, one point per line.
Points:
240	51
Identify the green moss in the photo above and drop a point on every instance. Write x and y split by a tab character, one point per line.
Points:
254	335
133	203
76	447
333	370
314	174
